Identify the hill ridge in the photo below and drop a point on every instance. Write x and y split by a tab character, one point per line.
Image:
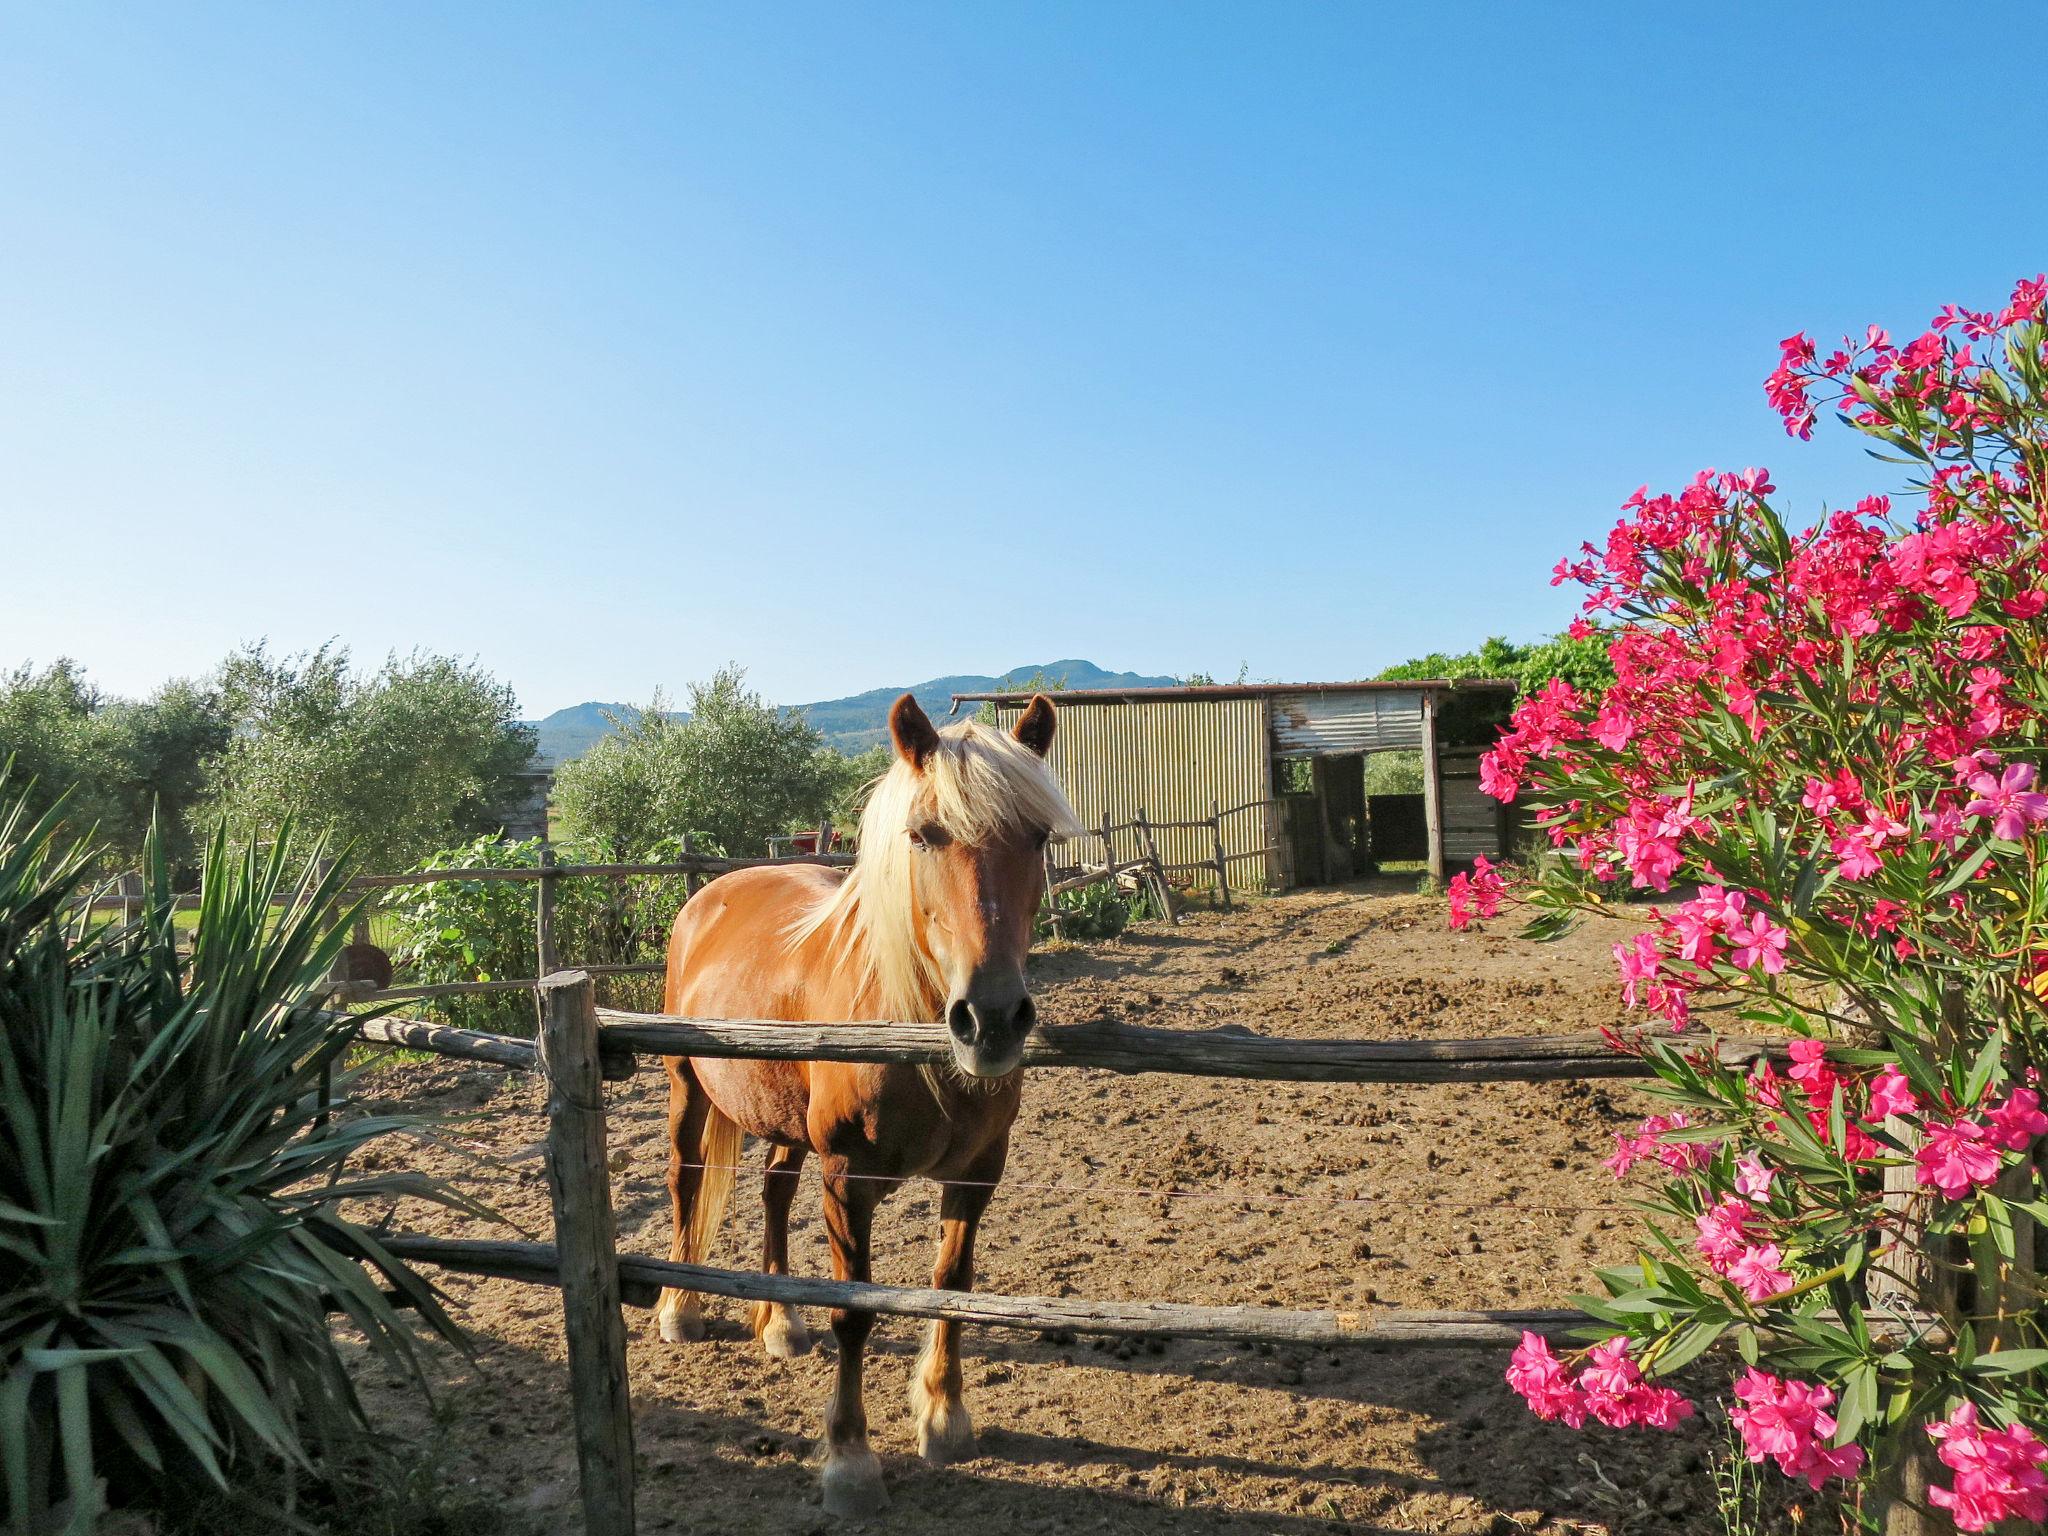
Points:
852	723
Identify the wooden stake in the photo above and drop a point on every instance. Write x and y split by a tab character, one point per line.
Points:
1432	791
1222	864
580	1185
544	920
1148	850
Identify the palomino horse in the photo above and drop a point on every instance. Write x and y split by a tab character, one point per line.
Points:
933	922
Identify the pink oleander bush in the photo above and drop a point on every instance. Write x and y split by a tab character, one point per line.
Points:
1823	749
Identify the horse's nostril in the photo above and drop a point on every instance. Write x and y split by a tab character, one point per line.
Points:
960	1020
1027	1013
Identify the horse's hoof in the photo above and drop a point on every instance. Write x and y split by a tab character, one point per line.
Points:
852	1485
681	1327
786	1340
945	1433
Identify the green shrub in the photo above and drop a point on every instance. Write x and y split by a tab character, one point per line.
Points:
1098	911
170	1182
483	930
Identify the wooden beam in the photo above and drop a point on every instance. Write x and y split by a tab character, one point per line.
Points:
1432	790
1116	1047
1368	1326
1104	1045
444	1040
587	1261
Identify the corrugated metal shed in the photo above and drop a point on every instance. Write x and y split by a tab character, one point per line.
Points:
1173	750
1173	758
1325	724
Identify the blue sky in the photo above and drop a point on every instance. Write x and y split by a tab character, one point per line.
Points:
865	343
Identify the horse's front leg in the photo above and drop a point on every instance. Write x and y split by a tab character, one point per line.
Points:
852	1474
776	1325
945	1432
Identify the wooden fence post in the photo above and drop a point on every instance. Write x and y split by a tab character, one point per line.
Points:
824	837
1108	851
1222	864
547	961
689	880
1148	850
1432	791
580	1185
1913	1277
1052	901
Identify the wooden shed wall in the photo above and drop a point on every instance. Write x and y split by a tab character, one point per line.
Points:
1172	758
1473	823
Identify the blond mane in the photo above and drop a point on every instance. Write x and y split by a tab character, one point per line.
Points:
978	784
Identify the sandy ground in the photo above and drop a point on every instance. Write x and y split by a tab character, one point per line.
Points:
1294	1195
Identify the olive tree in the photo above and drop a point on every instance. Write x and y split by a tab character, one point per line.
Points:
418	754
732	772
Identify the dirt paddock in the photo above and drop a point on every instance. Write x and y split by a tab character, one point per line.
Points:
1152	1187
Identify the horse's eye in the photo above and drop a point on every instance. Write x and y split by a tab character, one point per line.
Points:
930	835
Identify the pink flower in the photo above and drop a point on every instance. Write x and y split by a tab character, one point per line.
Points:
1856	857
1943	826
1891	1094
1753	1178
1724	1232
1998	1472
1758	1272
1476	895
1613	726
1649	1142
2016	1122
1617	1395
1957	1156
1639	959
1544	1384
2011	800
1762	942
1788	1422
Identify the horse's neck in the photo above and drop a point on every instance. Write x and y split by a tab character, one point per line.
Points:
841	980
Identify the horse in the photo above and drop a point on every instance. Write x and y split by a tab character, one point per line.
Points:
933	922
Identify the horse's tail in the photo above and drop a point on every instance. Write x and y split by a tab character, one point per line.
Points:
718	1154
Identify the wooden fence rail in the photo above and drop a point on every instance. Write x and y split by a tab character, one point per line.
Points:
1106	1045
641	1280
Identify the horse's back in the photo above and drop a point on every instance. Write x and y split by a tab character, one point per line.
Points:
729	953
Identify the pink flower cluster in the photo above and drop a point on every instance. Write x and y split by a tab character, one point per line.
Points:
1965	1152
1998	1472
1649	1143
1609	1387
1787	1421
1725	1241
1478	894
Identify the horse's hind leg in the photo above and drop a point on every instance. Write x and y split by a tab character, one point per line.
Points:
776	1325
679	1314
852	1475
945	1432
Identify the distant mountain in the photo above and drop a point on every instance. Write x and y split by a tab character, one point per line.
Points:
851	724
861	721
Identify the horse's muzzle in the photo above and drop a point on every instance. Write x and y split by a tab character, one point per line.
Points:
988	1033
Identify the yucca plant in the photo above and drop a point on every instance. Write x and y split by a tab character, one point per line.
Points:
171	1178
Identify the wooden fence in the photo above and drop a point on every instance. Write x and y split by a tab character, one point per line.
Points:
1145	870
580	1046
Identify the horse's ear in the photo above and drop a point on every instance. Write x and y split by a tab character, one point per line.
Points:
1034	726
912	730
